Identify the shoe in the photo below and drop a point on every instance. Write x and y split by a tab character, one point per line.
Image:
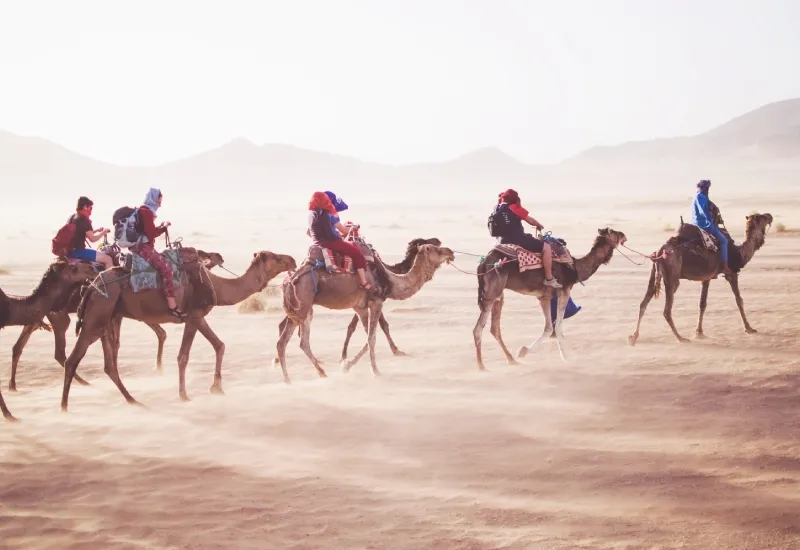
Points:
552	283
177	313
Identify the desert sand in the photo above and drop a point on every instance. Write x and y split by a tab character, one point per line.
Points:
658	446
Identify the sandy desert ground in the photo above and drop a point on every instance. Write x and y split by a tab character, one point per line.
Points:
658	446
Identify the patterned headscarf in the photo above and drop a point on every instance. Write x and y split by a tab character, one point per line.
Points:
151	199
321	200
703	185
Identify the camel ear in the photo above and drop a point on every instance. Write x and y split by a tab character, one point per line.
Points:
748	218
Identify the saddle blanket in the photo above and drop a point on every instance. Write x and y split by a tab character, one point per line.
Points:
145	277
709	241
528	260
339	263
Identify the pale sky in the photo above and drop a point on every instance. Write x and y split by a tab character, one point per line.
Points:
399	81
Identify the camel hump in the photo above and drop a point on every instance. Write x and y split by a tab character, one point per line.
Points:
688	232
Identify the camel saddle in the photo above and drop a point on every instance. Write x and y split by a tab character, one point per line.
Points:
186	267
528	260
689	233
336	262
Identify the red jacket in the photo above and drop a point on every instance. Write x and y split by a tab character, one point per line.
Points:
148	224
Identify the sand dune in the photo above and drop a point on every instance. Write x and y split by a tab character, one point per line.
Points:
657	446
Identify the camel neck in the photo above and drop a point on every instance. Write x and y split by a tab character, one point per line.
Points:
25	310
404	286
600	254
752	243
232	291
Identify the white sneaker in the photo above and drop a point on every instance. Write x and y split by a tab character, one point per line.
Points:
552	283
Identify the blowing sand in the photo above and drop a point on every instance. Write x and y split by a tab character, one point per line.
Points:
658	446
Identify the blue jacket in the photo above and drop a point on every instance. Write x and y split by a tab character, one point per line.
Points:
701	215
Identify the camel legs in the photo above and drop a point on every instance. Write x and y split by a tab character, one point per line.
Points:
59	321
648	295
109	341
161	334
494	329
6	413
276	360
189	332
305	344
544	302
363	315
733	280
670	287
698	333
351	328
286	334
477	333
370	319
219	350
86	338
563	299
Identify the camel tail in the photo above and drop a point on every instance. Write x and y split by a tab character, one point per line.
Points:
655	278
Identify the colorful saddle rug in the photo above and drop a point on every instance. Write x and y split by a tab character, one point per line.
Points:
145	277
528	260
336	262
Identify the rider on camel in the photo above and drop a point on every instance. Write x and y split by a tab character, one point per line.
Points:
703	218
509	213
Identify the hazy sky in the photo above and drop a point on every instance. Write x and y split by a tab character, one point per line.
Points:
399	81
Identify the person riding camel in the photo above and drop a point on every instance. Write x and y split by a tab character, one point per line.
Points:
83	232
146	247
326	230
508	215
703	218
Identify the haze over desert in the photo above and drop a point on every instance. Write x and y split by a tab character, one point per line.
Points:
238	113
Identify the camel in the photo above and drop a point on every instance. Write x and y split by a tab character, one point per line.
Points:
399	268
492	282
681	258
99	317
59	321
29	310
341	291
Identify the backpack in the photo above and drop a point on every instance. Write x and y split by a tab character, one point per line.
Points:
126	227
62	242
496	223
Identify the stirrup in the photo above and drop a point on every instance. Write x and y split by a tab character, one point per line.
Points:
177	313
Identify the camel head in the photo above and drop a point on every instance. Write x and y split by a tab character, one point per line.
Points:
436	255
70	273
419	242
611	236
210	259
756	227
273	263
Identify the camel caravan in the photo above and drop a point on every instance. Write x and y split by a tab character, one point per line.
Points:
129	279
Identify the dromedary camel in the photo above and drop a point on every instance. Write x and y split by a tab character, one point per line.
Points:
60	321
341	291
21	311
97	313
399	268
492	282
683	257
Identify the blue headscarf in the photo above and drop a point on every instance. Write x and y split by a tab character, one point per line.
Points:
151	199
338	203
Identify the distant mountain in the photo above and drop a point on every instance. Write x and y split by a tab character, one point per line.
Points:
763	144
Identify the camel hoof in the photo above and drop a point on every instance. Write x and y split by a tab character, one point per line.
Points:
346	366
699	336
159	371
135	403
683	340
399	353
286	380
10	418
216	389
512	362
322	373
82	382
376	373
185	398
523	351
632	340
12	387
64	408
750	330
